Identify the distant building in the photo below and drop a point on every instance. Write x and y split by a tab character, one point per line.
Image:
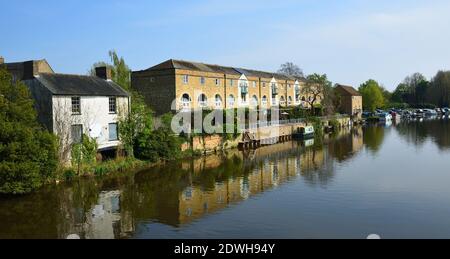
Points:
197	85
351	102
73	105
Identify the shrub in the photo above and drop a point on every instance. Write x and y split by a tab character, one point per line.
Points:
28	154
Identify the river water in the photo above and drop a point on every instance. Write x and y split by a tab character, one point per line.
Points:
389	180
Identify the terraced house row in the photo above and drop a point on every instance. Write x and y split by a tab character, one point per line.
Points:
182	86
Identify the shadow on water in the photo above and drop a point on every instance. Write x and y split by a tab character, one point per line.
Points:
184	192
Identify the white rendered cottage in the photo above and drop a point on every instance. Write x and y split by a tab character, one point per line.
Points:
73	105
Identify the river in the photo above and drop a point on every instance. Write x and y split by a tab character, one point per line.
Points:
389	180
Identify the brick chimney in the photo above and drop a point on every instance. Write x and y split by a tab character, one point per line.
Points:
2	60
35	67
103	73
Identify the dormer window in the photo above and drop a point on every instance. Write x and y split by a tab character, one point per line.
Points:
76	105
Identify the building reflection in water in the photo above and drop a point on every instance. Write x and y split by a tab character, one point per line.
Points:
176	194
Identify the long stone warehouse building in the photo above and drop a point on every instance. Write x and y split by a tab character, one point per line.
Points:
182	85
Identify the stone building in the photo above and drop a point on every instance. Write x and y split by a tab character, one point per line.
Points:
351	102
73	105
176	85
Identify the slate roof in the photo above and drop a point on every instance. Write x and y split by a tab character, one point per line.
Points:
196	66
349	90
62	84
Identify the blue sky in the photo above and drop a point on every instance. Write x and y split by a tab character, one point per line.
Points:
349	40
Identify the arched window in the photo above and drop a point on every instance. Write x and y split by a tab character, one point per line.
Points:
264	100
289	100
255	100
231	100
218	101
303	99
186	101
282	100
203	100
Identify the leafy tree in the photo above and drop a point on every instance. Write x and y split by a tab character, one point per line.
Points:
316	89
372	95
160	144
84	154
413	90
120	71
440	89
290	69
28	154
140	118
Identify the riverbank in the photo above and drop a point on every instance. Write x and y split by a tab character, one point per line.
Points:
199	146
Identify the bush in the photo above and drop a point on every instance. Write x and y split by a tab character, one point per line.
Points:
28	154
160	144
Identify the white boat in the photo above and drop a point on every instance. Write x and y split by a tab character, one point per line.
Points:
430	112
384	117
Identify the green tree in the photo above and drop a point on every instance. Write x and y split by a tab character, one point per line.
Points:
440	89
28	154
413	90
372	95
160	144
140	117
120	71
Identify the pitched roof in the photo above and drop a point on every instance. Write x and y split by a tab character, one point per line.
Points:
62	84
349	90
188	65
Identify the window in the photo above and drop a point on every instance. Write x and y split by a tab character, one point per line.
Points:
76	105
202	80
218	101
113	132
244	98
186	101
254	84
264	85
231	100
264	100
152	79
185	79
112	105
77	133
290	100
202	100
255	100
231	82
217	82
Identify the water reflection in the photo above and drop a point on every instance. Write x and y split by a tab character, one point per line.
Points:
186	192
418	132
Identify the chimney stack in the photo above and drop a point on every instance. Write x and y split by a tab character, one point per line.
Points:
2	60
103	73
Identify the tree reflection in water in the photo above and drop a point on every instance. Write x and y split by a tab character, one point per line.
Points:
417	132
